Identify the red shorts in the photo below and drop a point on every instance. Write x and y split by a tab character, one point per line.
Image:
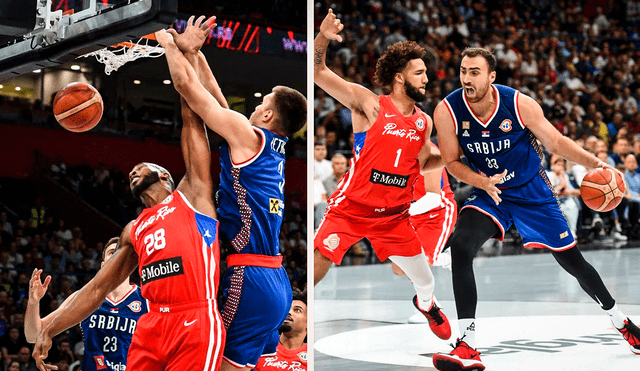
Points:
182	337
434	228
390	234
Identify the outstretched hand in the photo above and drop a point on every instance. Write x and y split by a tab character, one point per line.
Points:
36	287
331	26
194	36
41	352
491	188
164	38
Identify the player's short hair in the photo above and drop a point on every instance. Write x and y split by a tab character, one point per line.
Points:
160	170
109	243
291	109
300	295
484	53
395	59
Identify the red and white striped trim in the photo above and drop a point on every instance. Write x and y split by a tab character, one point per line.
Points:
214	349
447	226
516	98
131	291
489	215
542	245
495	109
453	115
234	364
252	159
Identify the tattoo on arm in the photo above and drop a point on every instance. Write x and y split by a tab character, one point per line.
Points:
319	55
376	110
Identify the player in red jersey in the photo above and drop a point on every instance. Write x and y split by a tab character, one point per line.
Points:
433	215
292	349
390	151
175	243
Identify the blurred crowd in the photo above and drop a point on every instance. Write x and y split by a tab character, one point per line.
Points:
577	59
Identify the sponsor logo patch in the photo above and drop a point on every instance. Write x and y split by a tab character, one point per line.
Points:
135	306
275	206
505	125
162	269
564	234
331	242
100	363
388	179
466	134
465	125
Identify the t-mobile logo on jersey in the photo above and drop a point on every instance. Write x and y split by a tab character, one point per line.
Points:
162	269
388	179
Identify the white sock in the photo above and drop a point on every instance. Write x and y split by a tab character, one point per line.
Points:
617	317
467	328
417	270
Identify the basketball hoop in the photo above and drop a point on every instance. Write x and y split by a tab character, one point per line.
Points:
117	55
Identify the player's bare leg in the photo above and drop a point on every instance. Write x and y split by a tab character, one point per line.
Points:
321	265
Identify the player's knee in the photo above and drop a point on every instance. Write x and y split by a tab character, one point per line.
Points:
463	246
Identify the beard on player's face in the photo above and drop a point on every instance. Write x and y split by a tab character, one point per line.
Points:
285	327
413	92
144	183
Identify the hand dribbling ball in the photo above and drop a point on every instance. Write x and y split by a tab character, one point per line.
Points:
602	189
78	107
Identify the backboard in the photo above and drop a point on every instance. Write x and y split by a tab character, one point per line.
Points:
66	29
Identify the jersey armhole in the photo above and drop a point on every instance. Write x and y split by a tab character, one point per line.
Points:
453	116
516	99
263	140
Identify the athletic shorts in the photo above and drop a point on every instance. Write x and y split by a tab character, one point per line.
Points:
434	228
532	209
258	301
188	336
390	233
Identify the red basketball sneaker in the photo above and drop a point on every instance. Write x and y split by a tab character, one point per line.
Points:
462	357
631	334
438	322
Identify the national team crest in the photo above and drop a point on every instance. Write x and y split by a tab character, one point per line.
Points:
465	125
486	133
331	242
100	363
135	306
168	199
275	206
505	125
420	123
303	356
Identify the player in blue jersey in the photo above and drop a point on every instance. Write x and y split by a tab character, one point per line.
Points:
497	128
107	331
251	197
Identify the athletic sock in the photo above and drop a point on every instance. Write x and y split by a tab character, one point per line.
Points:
468	331
617	317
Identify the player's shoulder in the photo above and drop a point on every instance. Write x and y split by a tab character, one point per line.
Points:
453	96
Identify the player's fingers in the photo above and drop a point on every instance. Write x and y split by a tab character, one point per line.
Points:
208	23
339	38
46	282
199	21
173	32
190	20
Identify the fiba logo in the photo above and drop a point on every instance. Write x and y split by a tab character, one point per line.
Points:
420	123
303	356
505	125
331	242
168	199
135	306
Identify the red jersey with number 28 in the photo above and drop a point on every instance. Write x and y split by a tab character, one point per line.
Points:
178	252
385	164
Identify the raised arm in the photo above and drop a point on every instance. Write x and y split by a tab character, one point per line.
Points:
451	154
32	320
533	118
360	100
190	42
197	184
120	266
231	125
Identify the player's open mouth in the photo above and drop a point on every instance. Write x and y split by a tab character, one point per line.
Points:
469	91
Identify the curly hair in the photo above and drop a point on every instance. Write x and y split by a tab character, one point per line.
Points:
395	59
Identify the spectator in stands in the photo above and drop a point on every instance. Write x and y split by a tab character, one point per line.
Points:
339	166
62	232
567	193
24	360
632	179
11	343
322	166
621	148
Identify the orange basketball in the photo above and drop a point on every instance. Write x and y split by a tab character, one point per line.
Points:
78	107
602	189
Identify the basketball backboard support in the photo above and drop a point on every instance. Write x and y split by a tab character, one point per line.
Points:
58	38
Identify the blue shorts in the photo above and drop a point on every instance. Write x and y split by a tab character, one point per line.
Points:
534	211
253	321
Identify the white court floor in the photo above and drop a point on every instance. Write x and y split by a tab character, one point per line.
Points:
532	316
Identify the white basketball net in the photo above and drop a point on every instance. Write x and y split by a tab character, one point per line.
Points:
114	59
